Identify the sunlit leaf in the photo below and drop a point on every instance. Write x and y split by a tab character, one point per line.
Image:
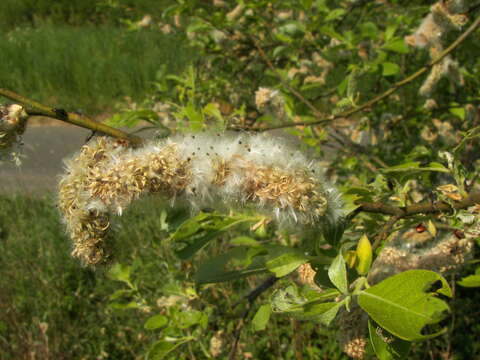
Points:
405	303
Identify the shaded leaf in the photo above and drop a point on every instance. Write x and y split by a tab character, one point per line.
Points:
155	322
162	348
337	273
385	345
260	320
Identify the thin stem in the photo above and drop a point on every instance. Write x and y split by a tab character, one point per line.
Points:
33	107
368	104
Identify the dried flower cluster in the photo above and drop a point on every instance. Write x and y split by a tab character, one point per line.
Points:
13	121
306	275
203	170
353	331
444	17
419	249
270	102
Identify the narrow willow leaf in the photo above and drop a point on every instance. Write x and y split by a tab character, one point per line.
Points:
197	232
228	266
337	273
385	345
405	303
390	69
260	320
155	322
470	281
162	348
287	262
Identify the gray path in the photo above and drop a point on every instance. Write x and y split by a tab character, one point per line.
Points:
44	149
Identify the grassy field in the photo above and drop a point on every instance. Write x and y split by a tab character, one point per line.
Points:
21	13
87	68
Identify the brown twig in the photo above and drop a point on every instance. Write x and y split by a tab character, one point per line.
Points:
250	297
420	208
368	104
383	234
33	107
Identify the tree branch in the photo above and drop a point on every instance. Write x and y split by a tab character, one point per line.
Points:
35	108
420	208
368	104
251	297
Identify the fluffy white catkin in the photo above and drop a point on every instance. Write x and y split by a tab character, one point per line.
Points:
218	170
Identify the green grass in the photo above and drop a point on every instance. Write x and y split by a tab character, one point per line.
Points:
87	68
15	13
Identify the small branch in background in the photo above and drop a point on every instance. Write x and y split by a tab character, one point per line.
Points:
35	108
368	104
299	96
250	297
384	232
420	208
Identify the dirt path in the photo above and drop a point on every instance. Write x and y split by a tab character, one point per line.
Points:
44	150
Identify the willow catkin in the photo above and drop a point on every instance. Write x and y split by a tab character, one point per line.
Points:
13	121
411	249
221	171
444	17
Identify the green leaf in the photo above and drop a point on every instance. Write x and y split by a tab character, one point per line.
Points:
260	320
162	348
190	318
414	166
404	304
124	306
385	345
155	322
307	304
292	28
287	262
331	32
244	241
396	45
471	280
390	69
120	294
222	268
337	273
212	110
458	111
121	273
335	14
324	313
196	232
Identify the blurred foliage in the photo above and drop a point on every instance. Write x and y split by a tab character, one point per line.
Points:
21	13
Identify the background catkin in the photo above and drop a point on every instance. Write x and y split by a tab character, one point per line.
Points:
410	249
221	171
13	122
444	17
